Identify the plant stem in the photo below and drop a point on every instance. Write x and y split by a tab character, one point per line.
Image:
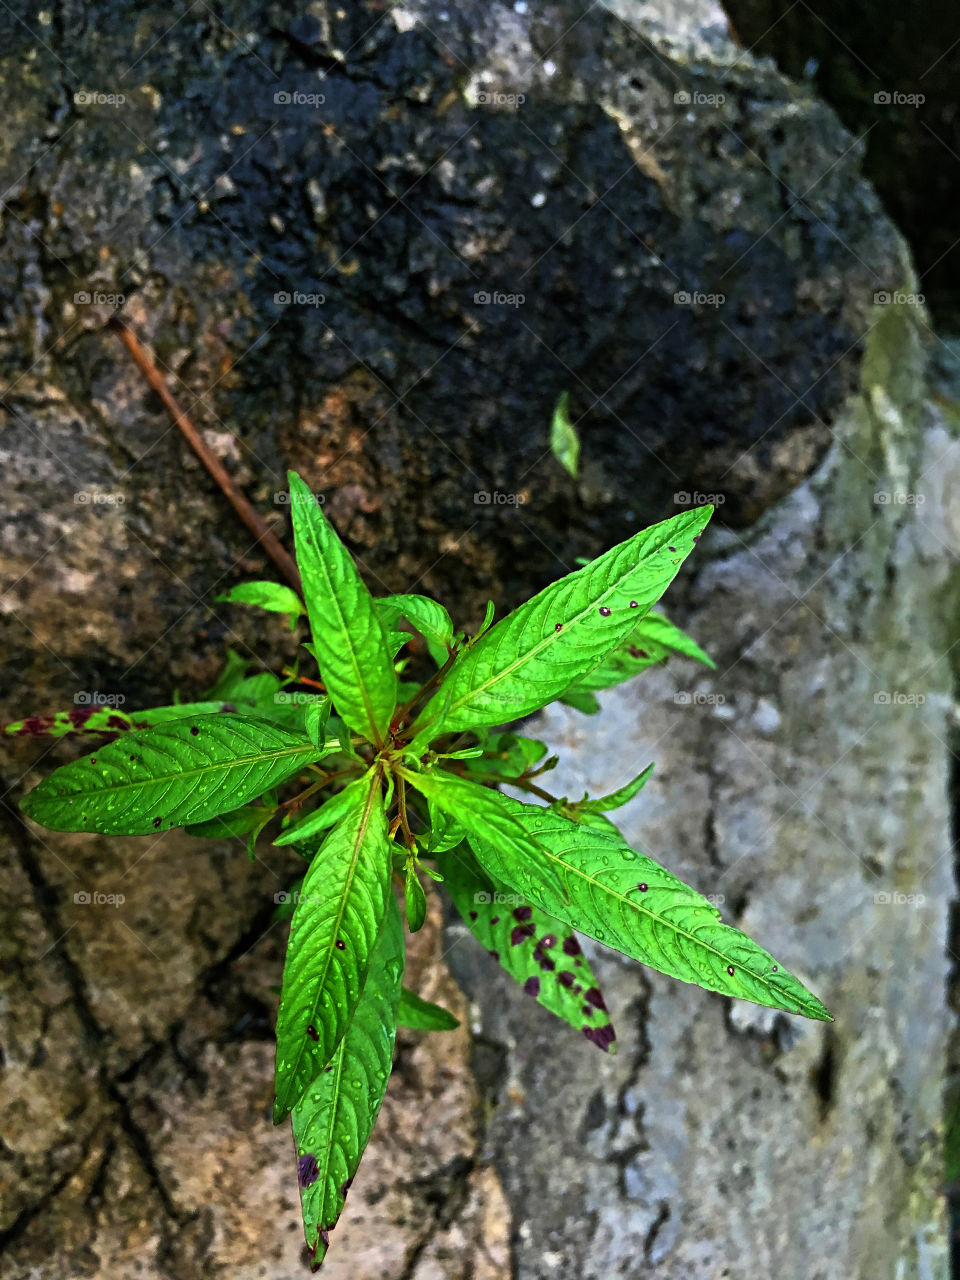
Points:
254	522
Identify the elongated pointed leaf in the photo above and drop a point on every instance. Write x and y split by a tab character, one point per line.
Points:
348	637
422	1015
178	773
564	441
238	822
616	895
93	719
333	1120
266	595
652	642
535	653
335	927
616	799
326	815
430	619
537	950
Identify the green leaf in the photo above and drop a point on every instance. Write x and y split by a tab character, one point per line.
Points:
564	440
534	654
266	595
249	817
348	636
445	831
415	900
335	927
581	700
100	720
595	883
333	1120
175	774
616	799
315	717
422	1015
430	619
326	815
651	643
533	947
512	755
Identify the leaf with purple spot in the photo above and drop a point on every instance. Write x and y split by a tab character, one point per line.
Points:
333	1120
600	886
338	917
524	662
651	642
537	950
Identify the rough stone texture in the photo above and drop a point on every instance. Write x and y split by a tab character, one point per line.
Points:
813	774
136	1054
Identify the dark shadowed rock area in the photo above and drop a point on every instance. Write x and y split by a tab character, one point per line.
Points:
376	244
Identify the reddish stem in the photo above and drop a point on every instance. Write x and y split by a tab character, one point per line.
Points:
254	522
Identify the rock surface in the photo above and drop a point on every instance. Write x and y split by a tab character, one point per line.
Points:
136	1035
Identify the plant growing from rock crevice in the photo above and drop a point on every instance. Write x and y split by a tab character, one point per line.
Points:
399	779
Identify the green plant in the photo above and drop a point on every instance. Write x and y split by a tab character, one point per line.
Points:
401	778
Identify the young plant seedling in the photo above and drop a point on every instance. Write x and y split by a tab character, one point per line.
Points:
403	778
